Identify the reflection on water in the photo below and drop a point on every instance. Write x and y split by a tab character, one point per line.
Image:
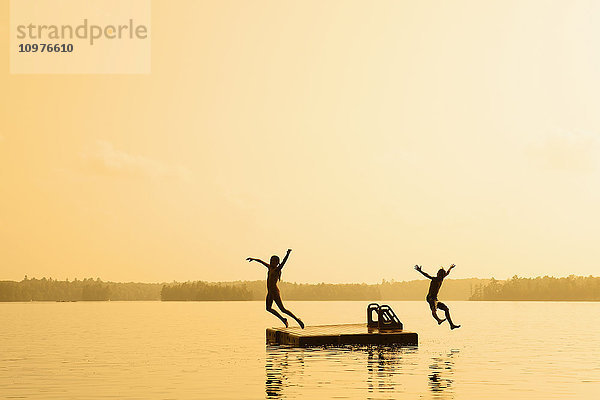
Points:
282	364
441	377
274	368
382	364
287	369
278	369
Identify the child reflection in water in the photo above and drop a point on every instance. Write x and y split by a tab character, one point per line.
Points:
273	295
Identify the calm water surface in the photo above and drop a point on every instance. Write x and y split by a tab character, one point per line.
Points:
216	350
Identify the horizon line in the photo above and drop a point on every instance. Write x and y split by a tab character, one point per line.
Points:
294	282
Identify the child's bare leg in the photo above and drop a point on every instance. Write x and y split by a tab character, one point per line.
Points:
435	316
434	313
444	307
288	312
274	312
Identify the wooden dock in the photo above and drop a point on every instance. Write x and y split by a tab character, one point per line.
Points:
340	335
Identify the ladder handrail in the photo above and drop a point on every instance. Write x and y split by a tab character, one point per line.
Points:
386	317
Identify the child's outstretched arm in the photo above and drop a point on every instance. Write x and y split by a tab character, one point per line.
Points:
418	268
287	254
449	269
250	259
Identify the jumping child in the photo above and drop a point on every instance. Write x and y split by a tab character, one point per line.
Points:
273	294
434	288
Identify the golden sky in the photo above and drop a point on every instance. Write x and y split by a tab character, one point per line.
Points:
368	137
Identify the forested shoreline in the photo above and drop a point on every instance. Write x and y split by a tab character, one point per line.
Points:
572	288
48	289
547	288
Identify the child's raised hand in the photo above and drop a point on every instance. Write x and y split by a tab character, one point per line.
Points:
418	268
249	259
289	250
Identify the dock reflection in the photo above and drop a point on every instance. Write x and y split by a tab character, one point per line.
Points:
292	372
382	365
282	365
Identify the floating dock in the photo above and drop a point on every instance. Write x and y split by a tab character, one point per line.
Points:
340	335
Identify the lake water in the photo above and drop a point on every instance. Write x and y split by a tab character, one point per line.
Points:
216	350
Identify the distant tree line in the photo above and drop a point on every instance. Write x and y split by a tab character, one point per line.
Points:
547	288
452	289
48	289
458	289
202	291
571	288
76	290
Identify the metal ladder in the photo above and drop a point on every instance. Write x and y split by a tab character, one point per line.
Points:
386	317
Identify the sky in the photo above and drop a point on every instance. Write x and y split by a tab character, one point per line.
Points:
367	137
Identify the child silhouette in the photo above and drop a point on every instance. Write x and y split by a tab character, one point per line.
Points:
273	294
434	288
